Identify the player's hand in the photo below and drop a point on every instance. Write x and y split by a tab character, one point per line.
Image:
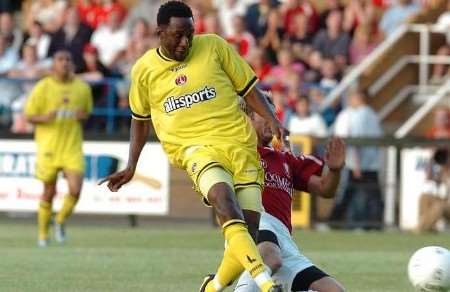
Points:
81	115
281	133
50	116
118	179
335	155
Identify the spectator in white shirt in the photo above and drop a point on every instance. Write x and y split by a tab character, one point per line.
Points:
360	204
39	39
304	122
110	39
396	15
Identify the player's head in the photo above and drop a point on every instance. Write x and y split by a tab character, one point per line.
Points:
62	64
175	29
262	127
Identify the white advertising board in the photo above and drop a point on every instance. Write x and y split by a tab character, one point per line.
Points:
413	166
146	194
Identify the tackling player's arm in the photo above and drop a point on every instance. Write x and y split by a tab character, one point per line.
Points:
326	185
258	102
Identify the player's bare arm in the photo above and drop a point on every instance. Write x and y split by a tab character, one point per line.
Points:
326	185
258	102
81	115
138	137
42	119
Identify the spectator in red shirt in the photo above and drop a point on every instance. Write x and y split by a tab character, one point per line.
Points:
243	40
292	8
96	12
258	61
441	124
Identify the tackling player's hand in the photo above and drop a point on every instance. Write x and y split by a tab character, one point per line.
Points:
281	133
335	155
118	179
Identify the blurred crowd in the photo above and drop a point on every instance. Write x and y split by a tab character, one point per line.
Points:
299	51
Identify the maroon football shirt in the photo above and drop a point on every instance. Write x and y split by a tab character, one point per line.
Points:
285	172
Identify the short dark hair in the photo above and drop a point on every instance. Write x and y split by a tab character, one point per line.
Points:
440	156
172	9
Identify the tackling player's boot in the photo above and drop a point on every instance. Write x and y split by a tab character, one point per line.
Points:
60	233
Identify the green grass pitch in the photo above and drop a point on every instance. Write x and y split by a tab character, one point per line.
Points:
174	258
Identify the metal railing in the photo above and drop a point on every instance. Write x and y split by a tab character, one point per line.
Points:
424	59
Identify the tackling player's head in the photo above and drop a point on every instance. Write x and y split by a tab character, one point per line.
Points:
175	29
262	127
62	64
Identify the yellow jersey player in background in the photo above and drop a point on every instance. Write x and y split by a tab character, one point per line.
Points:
190	88
57	106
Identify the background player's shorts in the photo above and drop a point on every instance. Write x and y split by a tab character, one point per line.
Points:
293	261
47	166
242	164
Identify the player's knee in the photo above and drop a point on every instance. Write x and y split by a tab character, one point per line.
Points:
274	263
329	285
222	198
76	194
338	287
49	192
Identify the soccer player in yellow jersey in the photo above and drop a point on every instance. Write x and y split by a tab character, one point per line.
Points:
57	106
190	88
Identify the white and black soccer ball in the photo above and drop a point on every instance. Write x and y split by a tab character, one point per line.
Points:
429	269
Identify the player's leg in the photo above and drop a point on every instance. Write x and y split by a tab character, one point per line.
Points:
46	172
249	199
269	249
304	275
45	212
75	182
241	251
252	220
314	279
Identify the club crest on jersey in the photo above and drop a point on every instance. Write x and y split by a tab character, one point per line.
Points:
188	100
180	80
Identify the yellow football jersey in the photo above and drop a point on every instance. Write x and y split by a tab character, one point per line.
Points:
64	135
196	101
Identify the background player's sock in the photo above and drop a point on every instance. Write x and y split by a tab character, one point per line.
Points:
67	209
244	250
44	217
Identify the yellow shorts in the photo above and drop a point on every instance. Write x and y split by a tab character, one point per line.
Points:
241	163
47	167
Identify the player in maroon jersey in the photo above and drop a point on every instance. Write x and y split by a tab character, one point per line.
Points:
285	173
